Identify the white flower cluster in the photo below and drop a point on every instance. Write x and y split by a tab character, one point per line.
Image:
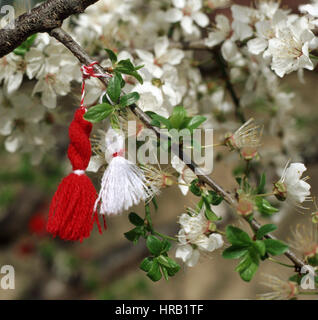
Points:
50	68
259	44
194	237
282	40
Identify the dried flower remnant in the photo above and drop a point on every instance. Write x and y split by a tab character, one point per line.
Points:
158	178
282	290
247	136
305	240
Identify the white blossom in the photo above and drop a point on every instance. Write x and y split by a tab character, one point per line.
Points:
221	31
289	49
162	55
151	98
12	68
187	12
194	236
186	175
298	190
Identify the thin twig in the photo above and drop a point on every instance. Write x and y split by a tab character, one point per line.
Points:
238	112
289	254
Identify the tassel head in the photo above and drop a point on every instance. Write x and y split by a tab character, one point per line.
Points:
72	214
123	184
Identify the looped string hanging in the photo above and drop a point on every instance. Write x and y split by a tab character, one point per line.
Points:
87	72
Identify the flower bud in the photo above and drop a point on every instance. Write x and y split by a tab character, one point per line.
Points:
167	181
156	82
245	207
212	226
280	191
249	153
229	141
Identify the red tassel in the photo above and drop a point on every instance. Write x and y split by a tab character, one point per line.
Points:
72	215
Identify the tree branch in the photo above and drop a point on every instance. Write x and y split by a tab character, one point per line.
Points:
43	18
84	58
48	17
238	112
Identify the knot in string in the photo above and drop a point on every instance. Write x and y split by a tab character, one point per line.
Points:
119	153
88	72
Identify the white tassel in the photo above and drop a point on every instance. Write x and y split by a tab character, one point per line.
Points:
123	183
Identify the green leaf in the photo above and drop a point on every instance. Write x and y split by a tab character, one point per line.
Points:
161	119
237	236
135	219
146	264
177	117
194	187
139	67
22	49
154	273
248	273
263	230
164	272
209	214
264	206
248	266
114	88
136	75
173	271
261	186
259	245
112	55
275	247
154	245
134	234
98	112
234	252
296	278
166	245
238	180
129	99
244	263
126	67
105	99
164	261
169	264
122	81
195	122
214	198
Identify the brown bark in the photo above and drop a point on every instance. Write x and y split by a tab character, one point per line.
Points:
43	18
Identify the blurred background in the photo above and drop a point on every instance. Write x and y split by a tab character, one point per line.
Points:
106	266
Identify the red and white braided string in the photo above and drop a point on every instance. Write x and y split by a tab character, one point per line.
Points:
87	72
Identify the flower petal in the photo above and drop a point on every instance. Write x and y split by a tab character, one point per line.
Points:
174	15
